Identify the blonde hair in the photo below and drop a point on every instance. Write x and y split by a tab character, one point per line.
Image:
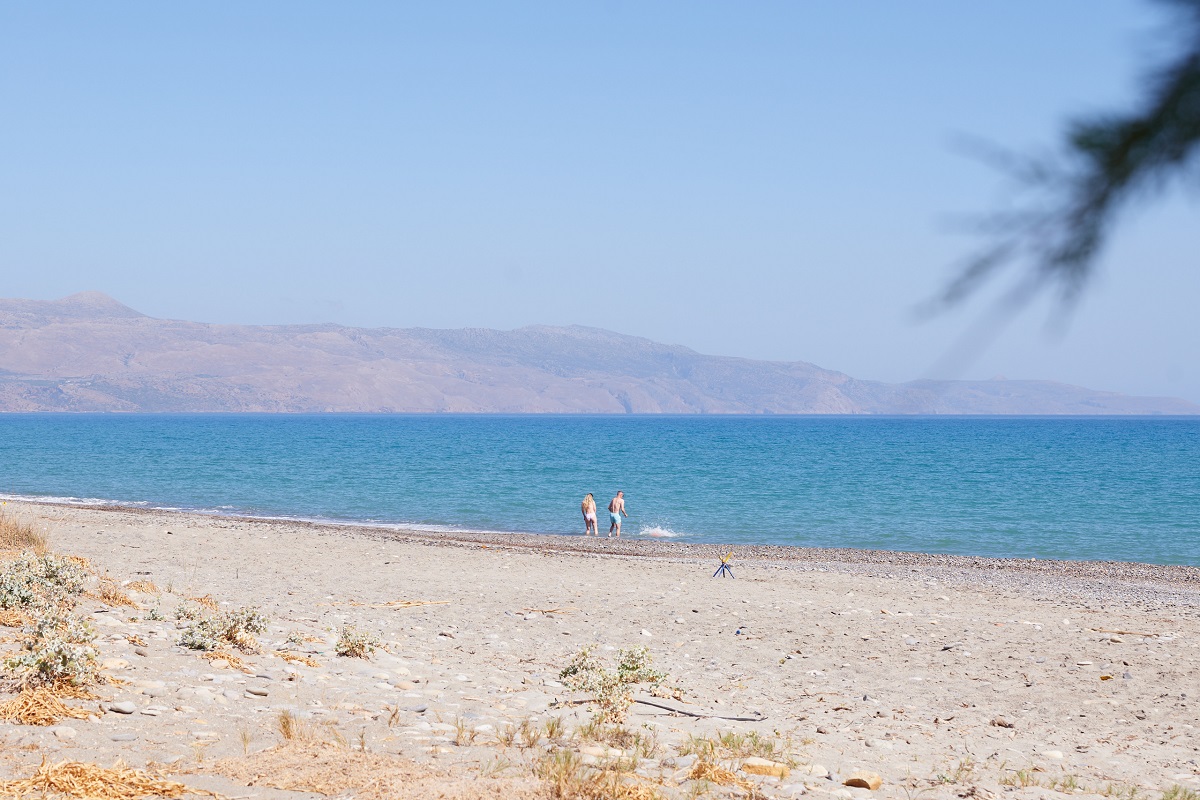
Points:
588	501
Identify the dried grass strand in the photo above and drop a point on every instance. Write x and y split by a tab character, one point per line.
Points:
224	655
40	705
296	658
76	779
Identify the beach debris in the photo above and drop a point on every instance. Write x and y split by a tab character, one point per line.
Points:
708	771
145	587
724	568
563	610
41	705
231	660
1127	633
296	658
390	604
111	595
206	601
76	779
864	780
761	766
1001	722
11	618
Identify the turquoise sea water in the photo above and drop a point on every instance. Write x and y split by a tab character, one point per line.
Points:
1122	489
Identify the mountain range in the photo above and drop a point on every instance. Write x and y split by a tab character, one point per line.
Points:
88	352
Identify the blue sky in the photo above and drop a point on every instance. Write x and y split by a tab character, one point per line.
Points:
773	180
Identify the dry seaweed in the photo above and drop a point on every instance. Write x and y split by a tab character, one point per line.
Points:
40	705
111	595
224	655
708	771
296	658
76	779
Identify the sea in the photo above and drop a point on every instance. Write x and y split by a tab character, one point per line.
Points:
1124	489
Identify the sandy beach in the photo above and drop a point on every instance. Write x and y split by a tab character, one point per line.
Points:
943	676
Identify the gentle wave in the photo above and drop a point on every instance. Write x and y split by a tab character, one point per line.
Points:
659	532
233	511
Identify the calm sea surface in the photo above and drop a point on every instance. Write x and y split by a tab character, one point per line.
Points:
1123	489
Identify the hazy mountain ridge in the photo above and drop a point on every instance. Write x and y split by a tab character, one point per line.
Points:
87	352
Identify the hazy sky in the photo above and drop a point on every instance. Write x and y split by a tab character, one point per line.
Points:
767	180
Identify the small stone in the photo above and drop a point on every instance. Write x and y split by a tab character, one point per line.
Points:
645	632
124	737
141	651
64	732
822	730
864	780
911	642
761	766
124	707
880	744
1001	722
1127	676
114	663
814	770
1056	754
256	691
230	694
679	620
685	762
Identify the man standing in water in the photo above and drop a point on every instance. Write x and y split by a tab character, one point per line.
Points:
616	507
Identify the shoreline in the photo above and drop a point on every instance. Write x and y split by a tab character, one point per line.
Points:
1172	574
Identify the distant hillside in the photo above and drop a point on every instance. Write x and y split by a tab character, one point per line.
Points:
87	352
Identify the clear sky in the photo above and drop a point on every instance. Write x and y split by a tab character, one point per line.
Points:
772	180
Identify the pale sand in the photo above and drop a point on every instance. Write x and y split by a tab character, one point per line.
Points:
893	663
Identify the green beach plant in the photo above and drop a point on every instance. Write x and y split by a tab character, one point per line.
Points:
353	643
58	649
212	631
611	690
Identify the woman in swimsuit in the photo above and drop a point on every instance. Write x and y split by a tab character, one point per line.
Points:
589	516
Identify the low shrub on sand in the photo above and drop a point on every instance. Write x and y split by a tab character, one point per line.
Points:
58	649
237	628
33	581
354	643
612	691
